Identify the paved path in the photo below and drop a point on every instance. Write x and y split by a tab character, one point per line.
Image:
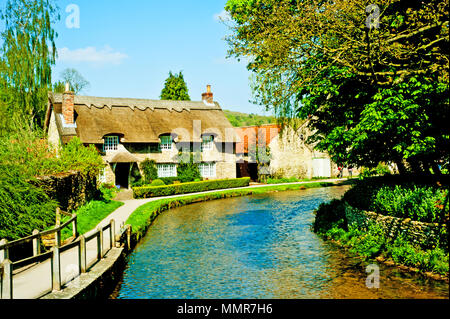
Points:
32	282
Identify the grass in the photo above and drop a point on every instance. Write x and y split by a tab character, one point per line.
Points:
90	215
143	217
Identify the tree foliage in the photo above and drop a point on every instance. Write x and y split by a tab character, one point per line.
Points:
27	54
374	90
238	119
76	81
175	88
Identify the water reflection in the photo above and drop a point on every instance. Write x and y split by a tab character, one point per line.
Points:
255	247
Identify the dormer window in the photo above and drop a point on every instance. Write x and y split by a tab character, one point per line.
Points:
166	142
111	143
207	142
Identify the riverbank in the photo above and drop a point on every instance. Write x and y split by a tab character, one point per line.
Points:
399	224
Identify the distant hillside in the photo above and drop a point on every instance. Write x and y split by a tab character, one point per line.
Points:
238	119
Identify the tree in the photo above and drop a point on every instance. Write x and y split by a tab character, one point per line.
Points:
59	87
175	88
77	82
372	80
27	54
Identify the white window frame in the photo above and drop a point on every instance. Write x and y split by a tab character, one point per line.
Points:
207	143
102	176
111	143
167	170
208	170
166	143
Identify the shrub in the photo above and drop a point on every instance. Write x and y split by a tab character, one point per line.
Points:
108	192
188	172
329	215
149	169
193	187
23	207
169	180
75	156
380	170
157	182
135	175
416	203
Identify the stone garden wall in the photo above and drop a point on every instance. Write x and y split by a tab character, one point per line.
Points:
423	234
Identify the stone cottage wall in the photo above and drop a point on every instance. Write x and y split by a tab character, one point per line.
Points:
291	156
71	190
419	233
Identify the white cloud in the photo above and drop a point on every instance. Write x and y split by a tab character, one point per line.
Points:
222	16
105	55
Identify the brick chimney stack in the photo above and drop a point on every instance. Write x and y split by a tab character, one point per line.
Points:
208	96
68	105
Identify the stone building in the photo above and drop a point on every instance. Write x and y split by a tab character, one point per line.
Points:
288	154
128	131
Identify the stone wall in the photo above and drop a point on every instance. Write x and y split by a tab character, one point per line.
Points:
291	156
425	235
71	190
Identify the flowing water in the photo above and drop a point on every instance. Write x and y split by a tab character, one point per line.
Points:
255	247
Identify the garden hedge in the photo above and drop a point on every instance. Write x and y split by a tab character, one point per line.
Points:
185	188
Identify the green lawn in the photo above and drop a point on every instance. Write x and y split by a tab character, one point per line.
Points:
90	215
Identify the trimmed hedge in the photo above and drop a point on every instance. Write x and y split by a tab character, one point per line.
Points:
185	188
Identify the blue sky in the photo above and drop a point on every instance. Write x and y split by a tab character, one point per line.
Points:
127	48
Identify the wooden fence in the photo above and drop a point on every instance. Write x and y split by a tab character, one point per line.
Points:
9	269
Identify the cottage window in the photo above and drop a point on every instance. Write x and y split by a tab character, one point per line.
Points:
207	143
102	176
111	143
166	142
208	169
167	170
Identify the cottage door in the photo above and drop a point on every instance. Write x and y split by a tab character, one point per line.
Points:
122	174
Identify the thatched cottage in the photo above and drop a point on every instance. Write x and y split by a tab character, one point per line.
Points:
128	131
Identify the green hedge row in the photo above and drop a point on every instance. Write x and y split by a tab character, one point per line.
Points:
185	188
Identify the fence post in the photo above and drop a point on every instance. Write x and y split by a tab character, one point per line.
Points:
129	237
82	255
74	226
58	216
100	243
56	262
113	233
7	279
4	253
36	243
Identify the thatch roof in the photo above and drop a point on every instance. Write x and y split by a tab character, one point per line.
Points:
144	121
124	157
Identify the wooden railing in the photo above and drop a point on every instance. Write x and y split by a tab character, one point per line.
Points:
7	267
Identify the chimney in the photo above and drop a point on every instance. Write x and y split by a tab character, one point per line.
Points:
67	105
208	96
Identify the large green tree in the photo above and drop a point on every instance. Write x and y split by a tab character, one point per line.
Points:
372	79
175	88
26	57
